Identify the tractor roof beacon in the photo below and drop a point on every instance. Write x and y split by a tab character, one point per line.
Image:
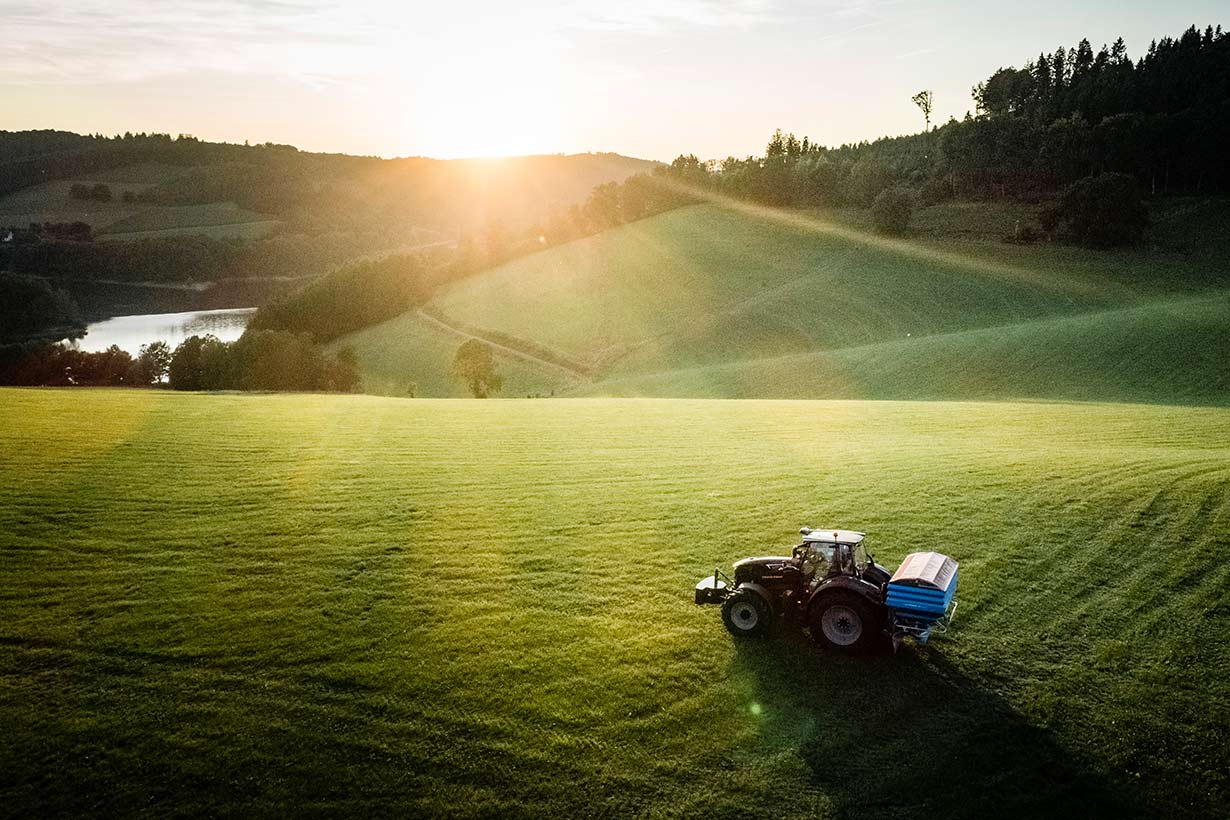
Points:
833	587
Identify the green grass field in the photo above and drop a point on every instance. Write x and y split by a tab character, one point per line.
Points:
712	302
259	605
117	219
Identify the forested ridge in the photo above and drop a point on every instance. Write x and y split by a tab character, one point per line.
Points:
315	191
1163	118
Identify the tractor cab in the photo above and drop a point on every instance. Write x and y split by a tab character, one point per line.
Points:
840	552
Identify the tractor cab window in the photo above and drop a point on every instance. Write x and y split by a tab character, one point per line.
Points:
842	560
861	558
847	559
819	559
823	553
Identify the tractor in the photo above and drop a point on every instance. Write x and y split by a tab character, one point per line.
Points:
832	586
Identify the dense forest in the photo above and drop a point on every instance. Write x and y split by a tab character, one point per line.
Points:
1163	119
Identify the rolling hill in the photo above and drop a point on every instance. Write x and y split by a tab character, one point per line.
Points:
720	301
52	202
1164	352
246	224
189	186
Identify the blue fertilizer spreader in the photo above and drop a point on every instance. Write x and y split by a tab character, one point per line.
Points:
920	594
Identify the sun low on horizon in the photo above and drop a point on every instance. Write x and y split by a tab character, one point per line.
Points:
499	102
483	79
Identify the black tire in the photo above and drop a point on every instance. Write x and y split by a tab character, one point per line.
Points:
747	614
843	622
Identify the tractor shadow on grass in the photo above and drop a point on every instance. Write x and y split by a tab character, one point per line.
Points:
911	736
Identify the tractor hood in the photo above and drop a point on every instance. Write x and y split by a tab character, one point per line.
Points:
766	568
764	559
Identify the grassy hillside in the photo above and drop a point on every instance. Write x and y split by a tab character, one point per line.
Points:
1165	352
710	287
239	604
414	354
51	202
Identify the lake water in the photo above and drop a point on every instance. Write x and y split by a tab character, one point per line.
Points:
130	332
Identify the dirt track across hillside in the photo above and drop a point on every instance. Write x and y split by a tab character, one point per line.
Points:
575	373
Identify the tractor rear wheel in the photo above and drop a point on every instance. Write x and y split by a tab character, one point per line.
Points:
747	614
843	622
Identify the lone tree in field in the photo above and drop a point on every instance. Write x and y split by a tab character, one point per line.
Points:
923	100
475	366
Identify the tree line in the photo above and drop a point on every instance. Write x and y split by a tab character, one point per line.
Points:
1163	119
34	157
258	360
70	251
30	308
353	296
55	365
261	360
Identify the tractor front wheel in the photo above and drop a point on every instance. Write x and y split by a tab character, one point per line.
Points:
747	614
842	623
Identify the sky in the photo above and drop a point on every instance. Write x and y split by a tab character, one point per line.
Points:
454	78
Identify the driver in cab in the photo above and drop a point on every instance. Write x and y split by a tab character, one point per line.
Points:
816	559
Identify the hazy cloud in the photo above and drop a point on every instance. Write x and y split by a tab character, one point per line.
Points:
124	40
322	41
652	16
88	40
